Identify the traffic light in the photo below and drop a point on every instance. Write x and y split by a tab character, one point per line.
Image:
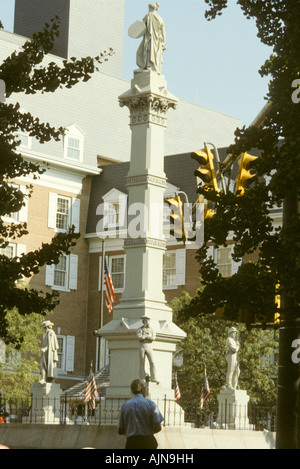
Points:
208	209
277	302
177	218
244	173
206	172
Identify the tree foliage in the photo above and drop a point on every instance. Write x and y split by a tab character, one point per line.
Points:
21	367
248	218
24	72
205	348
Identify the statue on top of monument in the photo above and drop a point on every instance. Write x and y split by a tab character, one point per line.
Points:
232	348
49	351
150	51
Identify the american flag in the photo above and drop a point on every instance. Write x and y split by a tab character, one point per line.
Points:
177	390
110	291
91	391
205	391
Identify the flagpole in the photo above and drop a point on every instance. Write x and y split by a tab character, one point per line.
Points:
101	302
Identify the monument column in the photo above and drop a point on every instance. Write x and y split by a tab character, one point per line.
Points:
148	101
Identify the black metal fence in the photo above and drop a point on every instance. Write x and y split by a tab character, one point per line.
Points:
72	411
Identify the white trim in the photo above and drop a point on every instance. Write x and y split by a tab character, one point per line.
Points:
70	353
75	214
73	271
180	266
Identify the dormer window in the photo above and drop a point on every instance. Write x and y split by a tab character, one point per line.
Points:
73	143
113	210
23	139
73	148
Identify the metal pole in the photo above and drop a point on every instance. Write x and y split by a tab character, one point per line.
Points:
219	165
101	302
288	399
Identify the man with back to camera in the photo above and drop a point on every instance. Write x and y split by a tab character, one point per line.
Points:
139	419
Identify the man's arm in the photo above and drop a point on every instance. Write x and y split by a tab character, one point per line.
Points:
121	431
156	427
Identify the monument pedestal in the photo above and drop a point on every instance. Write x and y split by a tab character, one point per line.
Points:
233	409
45	404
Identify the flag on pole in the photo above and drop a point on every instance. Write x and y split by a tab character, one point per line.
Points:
91	391
110	291
177	390
205	392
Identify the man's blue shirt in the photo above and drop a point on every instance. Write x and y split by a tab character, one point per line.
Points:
138	415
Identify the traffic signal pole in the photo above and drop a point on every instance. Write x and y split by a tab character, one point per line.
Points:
288	398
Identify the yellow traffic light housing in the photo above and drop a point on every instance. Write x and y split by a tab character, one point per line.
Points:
244	174
206	172
278	303
177	218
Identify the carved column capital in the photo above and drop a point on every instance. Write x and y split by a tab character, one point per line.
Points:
147	108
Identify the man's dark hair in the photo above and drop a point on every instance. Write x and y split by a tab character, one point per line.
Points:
137	386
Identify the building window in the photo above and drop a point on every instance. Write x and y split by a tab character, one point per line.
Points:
113	214
169	269
224	261
174	267
23	139
63	213
73	148
60	272
12	250
74	143
222	257
63	275
21	215
9	251
61	352
117	265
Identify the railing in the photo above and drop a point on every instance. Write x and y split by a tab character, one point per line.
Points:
71	411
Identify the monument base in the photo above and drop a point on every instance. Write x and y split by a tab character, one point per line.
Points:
233	409
45	404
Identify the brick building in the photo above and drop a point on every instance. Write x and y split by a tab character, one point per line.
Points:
89	167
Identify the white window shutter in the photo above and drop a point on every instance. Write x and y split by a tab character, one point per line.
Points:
70	352
235	265
73	271
52	210
50	275
23	212
180	266
21	249
211	253
75	214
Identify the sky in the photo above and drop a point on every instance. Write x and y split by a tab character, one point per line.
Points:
210	63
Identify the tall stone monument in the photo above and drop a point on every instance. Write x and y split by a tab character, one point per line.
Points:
133	353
